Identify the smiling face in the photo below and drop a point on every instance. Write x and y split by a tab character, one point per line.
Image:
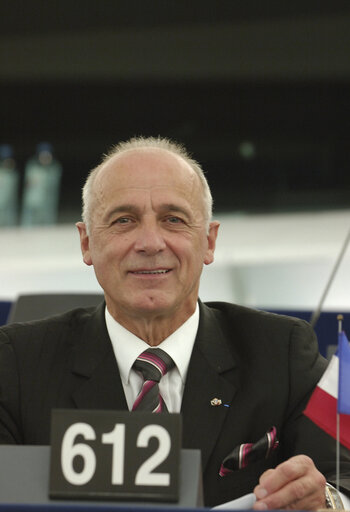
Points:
148	239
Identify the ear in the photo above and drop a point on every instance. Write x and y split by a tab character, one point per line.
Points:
84	243
211	238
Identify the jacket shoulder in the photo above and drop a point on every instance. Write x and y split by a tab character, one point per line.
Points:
53	327
261	330
247	314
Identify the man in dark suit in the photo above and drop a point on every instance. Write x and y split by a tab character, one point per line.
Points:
240	376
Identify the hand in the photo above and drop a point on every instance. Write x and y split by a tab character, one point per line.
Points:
294	484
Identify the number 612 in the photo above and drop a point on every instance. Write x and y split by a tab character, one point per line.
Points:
145	474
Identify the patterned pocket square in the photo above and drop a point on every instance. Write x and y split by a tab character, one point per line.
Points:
247	453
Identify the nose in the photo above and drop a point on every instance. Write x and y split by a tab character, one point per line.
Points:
149	238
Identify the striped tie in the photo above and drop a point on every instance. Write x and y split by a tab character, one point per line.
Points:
152	364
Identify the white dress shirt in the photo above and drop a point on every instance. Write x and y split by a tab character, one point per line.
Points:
127	347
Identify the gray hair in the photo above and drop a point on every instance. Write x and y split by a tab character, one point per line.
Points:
141	143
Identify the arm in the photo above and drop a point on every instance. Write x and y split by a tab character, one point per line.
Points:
9	394
299	482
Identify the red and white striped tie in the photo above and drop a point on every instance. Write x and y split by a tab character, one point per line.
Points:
153	364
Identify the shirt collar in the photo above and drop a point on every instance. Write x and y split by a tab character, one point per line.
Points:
127	347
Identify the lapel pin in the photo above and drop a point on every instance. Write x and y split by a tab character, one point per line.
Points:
215	402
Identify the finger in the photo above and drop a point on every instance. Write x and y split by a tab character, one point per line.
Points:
314	502
304	494
292	469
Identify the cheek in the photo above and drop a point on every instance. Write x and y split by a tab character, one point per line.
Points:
194	254
108	246
101	255
194	246
200	247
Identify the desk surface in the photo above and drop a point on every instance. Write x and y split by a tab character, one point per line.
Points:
24	483
63	507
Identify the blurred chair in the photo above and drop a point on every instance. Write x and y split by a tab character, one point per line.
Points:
38	306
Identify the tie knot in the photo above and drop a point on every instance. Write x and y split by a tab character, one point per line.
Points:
153	364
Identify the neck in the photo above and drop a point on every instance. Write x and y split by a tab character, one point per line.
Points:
152	329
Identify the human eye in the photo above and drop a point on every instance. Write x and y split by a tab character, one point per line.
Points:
121	221
174	220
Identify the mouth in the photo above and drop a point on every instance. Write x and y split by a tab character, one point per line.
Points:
150	272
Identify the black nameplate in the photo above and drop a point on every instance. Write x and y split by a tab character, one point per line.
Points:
114	455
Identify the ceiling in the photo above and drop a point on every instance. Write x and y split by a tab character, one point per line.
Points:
46	16
216	75
168	40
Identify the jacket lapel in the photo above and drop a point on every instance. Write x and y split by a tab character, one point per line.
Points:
210	375
94	365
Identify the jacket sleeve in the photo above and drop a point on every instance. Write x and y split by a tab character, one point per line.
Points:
301	435
10	429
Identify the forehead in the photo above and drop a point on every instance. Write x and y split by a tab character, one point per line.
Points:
146	169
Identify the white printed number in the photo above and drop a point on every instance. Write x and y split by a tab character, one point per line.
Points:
145	474
71	450
117	439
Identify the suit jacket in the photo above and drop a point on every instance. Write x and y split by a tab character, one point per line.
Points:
263	367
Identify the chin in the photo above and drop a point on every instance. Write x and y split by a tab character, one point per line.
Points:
149	305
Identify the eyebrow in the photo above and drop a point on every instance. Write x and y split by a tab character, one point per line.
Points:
131	208
171	207
123	208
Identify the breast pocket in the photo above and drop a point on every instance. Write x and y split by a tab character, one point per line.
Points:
243	481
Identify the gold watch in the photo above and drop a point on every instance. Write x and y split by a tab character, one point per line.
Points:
333	499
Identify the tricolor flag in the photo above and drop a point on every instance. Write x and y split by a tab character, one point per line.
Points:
332	395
